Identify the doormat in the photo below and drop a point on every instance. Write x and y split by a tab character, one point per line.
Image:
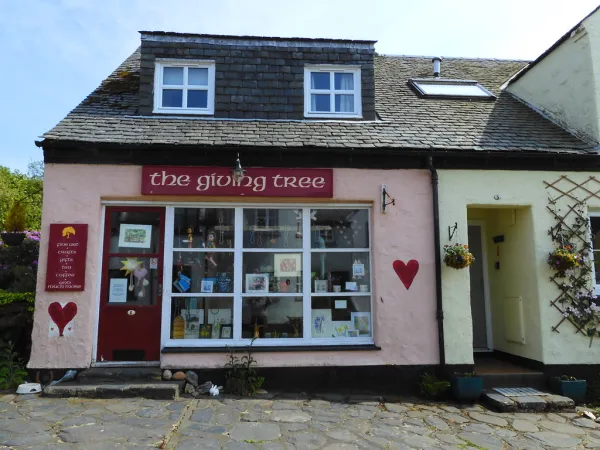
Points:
518	392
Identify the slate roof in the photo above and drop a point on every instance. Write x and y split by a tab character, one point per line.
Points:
109	115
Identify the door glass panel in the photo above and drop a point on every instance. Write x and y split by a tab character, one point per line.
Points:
134	232
340	272
339	228
202	272
131	281
272	228
272	317
265	272
204	228
341	317
202	318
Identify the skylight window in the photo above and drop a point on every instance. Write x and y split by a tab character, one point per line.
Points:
440	88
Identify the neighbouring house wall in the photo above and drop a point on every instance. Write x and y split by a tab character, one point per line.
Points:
404	320
565	85
523	260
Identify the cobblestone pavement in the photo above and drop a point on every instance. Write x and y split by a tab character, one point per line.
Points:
279	423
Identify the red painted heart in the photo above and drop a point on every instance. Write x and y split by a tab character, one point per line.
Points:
62	315
406	272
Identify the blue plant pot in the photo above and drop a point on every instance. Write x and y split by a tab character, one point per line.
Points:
467	389
575	390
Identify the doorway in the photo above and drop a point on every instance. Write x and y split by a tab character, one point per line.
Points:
480	298
131	286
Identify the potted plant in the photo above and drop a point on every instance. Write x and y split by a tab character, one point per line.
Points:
563	258
458	256
14	225
466	387
569	386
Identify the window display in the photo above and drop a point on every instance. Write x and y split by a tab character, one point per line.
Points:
276	275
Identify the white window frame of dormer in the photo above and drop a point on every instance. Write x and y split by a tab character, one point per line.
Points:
595	282
332	69
159	86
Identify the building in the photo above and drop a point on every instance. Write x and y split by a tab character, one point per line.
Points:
285	190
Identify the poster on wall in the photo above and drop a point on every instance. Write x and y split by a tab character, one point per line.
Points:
67	246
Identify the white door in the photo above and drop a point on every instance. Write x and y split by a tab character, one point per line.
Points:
480	310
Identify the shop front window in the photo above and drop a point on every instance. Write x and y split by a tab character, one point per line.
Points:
281	276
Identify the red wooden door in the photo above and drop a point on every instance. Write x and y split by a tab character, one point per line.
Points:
131	290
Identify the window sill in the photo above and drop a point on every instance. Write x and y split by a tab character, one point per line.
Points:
332	116
258	349
197	112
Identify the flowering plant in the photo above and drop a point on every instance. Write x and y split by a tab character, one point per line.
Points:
458	256
563	258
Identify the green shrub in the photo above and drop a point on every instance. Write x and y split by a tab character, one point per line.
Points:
12	368
241	377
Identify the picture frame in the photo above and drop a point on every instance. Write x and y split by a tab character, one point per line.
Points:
361	322
257	283
135	236
194	319
320	286
205	331
207	286
358	269
226	332
288	265
351	333
351	286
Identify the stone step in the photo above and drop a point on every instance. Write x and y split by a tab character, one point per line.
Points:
97	375
163	390
533	403
535	380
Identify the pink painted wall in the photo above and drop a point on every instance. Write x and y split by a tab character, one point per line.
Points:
404	320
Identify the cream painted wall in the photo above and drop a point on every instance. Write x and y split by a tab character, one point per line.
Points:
527	275
404	320
565	85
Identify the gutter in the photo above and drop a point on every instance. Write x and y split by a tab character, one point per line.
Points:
438	263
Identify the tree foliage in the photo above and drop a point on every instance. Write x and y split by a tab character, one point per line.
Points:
25	188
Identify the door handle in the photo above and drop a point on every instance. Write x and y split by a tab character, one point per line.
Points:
131	312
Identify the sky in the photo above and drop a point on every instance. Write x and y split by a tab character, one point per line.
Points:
58	51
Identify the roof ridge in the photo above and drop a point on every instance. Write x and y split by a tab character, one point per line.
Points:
463	58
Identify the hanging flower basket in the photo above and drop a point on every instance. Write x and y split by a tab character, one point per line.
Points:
458	256
13	239
563	258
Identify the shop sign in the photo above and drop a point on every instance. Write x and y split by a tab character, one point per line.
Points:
219	181
67	245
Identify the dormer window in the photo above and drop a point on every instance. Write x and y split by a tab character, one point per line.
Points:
332	92
184	88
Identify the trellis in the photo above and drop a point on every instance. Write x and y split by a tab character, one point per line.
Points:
567	202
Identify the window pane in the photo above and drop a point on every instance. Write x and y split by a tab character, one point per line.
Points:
272	228
344	103
198	77
197	99
596	255
339	228
340	272
344	81
265	272
173	76
172	98
319	103
134	232
319	80
201	318
204	228
340	317
131	281
205	272
272	317
595	222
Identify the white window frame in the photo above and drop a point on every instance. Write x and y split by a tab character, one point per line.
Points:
238	293
595	283
357	91
159	86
